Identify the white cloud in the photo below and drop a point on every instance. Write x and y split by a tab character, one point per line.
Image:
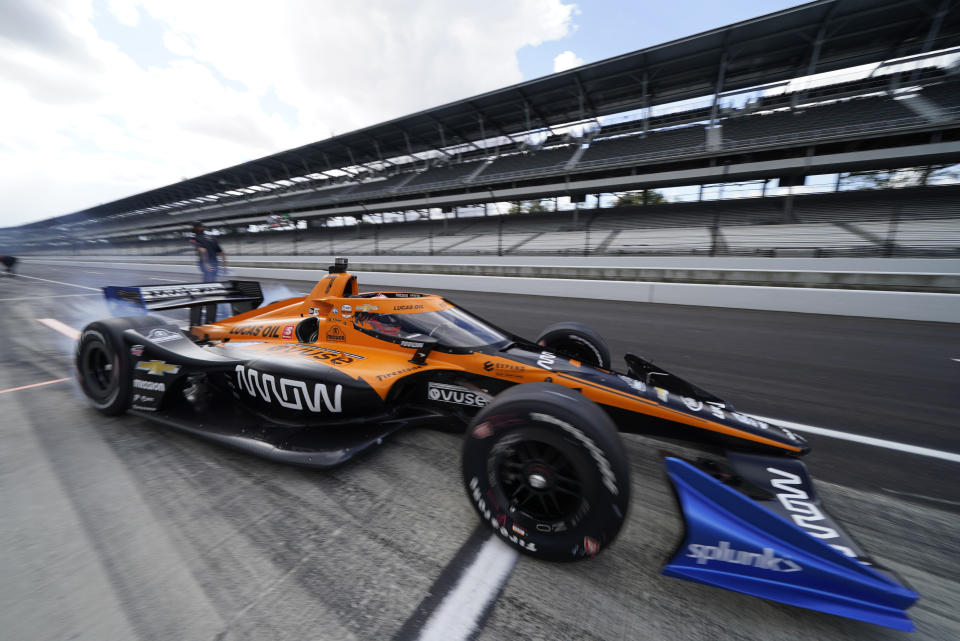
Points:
87	120
566	60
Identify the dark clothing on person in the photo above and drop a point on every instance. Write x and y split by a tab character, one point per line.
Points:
208	251
9	262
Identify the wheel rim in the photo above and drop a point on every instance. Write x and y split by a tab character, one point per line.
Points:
539	481
99	374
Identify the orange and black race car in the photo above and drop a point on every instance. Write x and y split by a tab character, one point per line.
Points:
315	380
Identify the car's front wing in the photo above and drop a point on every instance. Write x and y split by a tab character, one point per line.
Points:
763	532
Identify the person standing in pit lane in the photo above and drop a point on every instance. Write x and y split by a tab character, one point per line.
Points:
210	257
9	262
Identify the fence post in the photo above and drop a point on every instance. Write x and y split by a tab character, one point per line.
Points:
586	237
500	235
891	245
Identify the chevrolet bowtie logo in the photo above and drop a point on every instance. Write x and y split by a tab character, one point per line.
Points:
158	368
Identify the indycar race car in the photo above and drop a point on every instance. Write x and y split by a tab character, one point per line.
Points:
315	380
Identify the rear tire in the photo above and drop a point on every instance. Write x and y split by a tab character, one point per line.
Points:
545	468
102	362
577	341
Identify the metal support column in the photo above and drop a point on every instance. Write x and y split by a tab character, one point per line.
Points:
721	74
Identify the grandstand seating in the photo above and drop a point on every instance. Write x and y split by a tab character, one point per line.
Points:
518	164
946	95
626	147
918	221
443	175
810	121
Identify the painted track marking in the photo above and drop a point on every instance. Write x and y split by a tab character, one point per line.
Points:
17	389
866	440
60	282
63	328
46	296
462	609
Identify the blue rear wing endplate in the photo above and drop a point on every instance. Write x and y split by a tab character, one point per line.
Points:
735	543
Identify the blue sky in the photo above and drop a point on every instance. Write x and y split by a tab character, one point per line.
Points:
606	28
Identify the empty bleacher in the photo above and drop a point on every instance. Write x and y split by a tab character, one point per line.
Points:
529	162
622	149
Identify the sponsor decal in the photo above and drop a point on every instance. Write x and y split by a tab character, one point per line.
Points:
413	344
136	350
152	293
314	311
606	471
335	335
790	435
346	311
519	530
495	520
261	331
509	370
144	402
692	404
456	395
367	307
329	279
591	546
157	368
335	310
289	393
287	332
152	386
766	560
749	420
483	430
662	394
159	335
408	308
638	386
396	372
803	511
323	354
546	360
716	411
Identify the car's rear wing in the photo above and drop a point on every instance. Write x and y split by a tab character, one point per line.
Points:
241	295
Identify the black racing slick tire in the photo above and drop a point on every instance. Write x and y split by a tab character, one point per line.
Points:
102	362
545	469
577	341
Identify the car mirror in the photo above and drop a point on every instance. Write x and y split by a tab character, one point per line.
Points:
423	344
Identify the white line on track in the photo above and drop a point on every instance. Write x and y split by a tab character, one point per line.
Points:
866	440
98	273
60	282
47	296
457	617
17	389
63	328
164	280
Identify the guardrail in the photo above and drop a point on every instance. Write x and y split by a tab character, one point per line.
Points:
788	291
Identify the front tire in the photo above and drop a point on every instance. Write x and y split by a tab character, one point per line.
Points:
577	341
545	468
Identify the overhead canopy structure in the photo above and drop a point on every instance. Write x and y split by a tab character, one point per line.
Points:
816	37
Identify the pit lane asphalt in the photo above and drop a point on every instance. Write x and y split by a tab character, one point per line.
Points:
115	528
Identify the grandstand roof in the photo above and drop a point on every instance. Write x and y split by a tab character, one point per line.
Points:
836	34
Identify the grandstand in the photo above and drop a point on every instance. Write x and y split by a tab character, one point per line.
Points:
718	107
